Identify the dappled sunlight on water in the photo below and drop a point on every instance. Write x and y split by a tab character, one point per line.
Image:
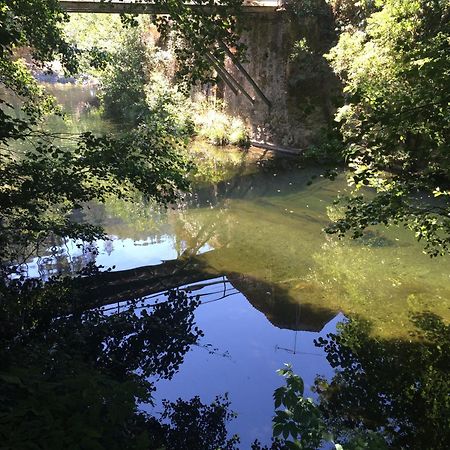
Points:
249	240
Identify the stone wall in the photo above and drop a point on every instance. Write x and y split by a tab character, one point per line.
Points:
300	88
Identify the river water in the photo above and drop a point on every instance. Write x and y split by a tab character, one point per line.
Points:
270	280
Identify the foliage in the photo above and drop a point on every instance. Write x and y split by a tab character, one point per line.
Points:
41	190
218	128
397	389
41	187
45	40
197	34
137	88
300	419
396	119
327	150
302	52
169	106
384	393
74	375
21	26
124	81
198	426
193	33
100	30
349	14
307	8
95	36
300	423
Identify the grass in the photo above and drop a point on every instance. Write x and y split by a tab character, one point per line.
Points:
217	127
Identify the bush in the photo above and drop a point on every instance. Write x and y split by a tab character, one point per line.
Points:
137	89
168	106
124	81
218	128
328	149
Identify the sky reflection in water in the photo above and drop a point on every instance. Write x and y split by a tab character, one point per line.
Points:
258	234
246	351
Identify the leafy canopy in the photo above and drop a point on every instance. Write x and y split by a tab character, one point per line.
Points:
40	187
72	374
396	120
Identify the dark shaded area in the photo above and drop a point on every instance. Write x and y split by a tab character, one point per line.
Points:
279	308
77	377
396	388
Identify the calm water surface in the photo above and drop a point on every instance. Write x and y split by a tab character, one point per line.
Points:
270	280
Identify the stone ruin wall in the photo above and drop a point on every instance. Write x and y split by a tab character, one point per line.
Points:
301	90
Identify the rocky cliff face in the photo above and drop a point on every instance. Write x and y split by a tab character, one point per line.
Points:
284	58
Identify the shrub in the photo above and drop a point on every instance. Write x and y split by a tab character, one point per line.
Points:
124	81
219	128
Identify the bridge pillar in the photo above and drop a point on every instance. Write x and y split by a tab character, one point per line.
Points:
294	77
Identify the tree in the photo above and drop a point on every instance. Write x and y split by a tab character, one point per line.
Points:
42	186
300	423
73	373
392	387
395	68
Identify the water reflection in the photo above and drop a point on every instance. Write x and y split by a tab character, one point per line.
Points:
264	233
270	283
396	388
57	346
247	351
73	375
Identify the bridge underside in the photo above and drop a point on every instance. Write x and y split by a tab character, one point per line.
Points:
121	7
115	6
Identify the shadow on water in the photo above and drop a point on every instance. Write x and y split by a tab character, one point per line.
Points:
252	178
396	388
272	300
83	376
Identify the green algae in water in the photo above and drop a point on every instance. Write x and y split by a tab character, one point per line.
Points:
264	227
262	221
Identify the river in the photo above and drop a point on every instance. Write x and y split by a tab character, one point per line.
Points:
271	282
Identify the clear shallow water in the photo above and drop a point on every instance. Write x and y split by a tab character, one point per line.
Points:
271	280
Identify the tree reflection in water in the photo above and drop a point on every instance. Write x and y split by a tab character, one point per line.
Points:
73	376
384	394
396	388
81	377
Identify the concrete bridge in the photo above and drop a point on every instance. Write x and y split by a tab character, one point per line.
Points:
155	7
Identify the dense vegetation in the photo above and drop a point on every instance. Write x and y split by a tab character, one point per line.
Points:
72	373
392	57
139	85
